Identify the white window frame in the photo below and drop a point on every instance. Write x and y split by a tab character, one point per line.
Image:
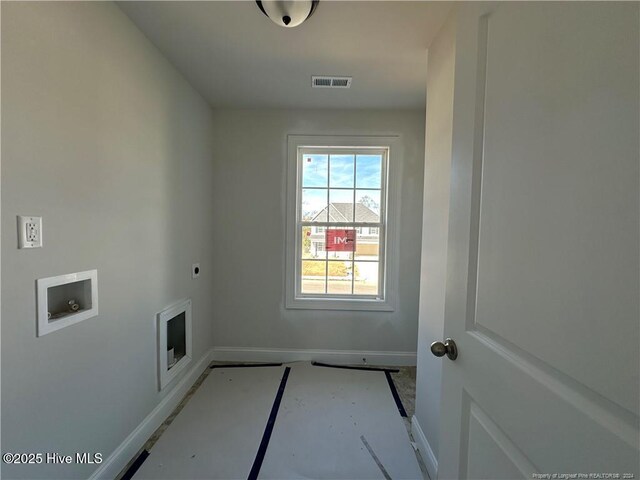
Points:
388	254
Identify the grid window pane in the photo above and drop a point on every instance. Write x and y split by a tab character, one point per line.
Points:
369	171
368	247
340	246
339	280
366	278
341	219
368	206
312	243
341	174
340	206
314	205
313	276
315	170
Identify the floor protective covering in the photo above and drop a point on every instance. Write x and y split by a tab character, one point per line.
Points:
295	421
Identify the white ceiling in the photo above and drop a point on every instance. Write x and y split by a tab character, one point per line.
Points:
236	57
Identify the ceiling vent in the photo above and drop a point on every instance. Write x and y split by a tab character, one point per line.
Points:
330	82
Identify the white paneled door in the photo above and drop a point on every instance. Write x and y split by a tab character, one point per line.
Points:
543	285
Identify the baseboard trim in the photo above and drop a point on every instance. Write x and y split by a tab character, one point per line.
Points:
254	354
115	462
424	448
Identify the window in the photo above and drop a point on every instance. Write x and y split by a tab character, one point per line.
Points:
339	197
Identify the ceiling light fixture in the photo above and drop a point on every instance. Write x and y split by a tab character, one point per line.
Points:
288	13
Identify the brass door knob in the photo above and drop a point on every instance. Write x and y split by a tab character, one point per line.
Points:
447	348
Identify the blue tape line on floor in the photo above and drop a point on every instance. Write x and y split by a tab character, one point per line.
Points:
349	367
394	392
131	471
246	365
262	450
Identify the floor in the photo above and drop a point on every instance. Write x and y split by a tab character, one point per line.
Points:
404	381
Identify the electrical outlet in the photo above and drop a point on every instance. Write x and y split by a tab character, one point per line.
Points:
29	232
195	270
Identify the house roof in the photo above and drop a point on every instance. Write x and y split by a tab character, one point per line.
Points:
342	212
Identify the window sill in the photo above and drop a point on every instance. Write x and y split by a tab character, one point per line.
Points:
339	304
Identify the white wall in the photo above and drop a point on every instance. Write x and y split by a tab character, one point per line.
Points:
105	140
439	124
249	212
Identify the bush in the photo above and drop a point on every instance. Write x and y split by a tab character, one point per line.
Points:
317	269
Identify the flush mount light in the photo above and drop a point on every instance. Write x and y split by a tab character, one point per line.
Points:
288	13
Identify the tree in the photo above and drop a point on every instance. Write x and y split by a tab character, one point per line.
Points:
370	203
306	240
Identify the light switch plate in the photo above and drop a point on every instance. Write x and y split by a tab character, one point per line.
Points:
29	232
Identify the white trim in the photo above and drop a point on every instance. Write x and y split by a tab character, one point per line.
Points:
390	256
166	374
354	357
429	459
119	458
333	303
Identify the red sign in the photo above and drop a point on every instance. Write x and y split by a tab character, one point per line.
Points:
340	240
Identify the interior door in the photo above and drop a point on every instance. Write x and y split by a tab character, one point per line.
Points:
542	294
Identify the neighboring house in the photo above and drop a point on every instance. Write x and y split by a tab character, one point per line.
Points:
341	214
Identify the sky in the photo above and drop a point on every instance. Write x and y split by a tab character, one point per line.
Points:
315	174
